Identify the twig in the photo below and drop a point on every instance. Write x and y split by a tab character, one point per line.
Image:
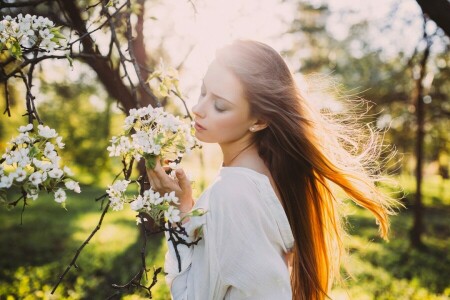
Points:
135	281
136	65
74	259
7	109
86	34
4	4
193	6
175	236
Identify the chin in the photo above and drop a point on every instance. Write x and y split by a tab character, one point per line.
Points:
204	139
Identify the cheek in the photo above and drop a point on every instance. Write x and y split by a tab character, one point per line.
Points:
224	128
231	126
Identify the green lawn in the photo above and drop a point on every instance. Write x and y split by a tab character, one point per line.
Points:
34	254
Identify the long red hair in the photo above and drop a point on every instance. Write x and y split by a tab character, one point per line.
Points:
305	152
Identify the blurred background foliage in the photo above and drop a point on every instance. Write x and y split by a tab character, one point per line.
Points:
34	254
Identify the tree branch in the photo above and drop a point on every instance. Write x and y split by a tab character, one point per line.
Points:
74	259
4	4
438	11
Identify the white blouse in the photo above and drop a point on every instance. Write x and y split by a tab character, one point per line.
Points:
245	235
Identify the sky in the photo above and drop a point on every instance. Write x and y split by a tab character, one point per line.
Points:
192	31
192	34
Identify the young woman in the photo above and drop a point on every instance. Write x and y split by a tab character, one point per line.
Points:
272	229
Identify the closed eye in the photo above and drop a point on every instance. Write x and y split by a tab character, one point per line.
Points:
219	106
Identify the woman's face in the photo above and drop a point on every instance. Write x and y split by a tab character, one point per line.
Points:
222	114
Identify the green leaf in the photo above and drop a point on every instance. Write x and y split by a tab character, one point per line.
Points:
3	197
150	161
33	151
197	212
70	59
57	34
159	138
163	90
155	74
16	50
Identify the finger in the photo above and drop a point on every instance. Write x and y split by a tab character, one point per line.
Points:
153	179
160	172
164	182
167	169
183	181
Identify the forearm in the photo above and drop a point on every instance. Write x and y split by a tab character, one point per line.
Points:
185	207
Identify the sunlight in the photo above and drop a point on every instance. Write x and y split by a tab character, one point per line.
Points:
192	35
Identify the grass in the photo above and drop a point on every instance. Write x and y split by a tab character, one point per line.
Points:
34	254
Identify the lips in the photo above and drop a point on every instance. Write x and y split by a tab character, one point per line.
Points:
199	127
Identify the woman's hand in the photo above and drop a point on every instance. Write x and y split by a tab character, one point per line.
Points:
163	183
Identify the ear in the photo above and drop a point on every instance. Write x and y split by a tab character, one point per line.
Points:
258	125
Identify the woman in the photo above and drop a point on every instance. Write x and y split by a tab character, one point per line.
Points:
272	229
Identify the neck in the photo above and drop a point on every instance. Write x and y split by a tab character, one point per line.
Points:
232	155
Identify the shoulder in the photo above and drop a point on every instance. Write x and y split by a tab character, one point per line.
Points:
236	187
235	180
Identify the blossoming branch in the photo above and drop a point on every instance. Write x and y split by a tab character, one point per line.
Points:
26	32
32	164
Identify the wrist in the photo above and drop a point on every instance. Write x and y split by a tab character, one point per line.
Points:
185	206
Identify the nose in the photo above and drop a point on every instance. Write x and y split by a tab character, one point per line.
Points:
198	110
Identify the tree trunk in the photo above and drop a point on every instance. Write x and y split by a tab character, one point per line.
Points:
438	11
109	77
417	229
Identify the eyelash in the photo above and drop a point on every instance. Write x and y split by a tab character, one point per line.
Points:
203	94
219	109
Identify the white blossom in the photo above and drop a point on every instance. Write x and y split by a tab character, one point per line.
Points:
116	203
174	166
32	194
21	174
172	214
73	186
46	34
119	186
60	195
49	150
36	178
68	171
59	142
153	197
42	165
26	128
48	44
115	193
170	197
137	204
55	159
46	132
129	122
22	138
56	173
6	181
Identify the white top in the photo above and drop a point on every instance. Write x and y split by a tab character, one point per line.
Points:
245	234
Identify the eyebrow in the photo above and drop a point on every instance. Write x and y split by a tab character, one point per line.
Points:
217	96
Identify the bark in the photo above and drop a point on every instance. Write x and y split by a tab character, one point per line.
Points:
108	76
141	56
438	11
418	229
